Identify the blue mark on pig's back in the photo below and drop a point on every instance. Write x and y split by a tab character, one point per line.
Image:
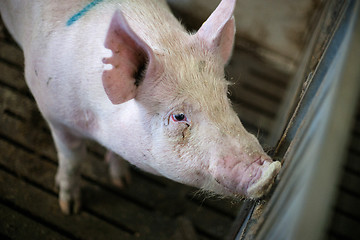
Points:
82	12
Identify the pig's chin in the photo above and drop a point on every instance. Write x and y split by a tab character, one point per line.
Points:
252	181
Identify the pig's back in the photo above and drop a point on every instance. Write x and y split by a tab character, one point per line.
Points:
22	17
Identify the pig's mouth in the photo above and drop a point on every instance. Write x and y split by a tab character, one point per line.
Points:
251	180
263	178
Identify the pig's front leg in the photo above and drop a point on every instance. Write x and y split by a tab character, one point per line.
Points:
71	151
119	169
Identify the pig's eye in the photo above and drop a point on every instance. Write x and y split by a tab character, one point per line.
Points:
179	117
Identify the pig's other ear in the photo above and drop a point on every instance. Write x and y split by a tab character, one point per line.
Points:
130	60
218	31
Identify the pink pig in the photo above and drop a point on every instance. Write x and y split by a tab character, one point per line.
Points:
128	75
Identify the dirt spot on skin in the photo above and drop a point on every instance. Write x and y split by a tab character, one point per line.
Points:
202	66
48	81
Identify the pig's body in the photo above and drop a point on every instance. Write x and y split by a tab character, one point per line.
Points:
165	74
63	66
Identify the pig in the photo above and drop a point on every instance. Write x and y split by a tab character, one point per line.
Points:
128	75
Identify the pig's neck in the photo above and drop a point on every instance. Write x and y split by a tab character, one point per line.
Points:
125	132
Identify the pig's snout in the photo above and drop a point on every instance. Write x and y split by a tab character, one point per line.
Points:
262	177
251	179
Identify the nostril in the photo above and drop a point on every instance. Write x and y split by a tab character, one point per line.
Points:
260	161
263	160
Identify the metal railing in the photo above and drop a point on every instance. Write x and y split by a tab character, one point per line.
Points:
313	145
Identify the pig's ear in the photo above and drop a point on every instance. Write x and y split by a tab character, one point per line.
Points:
130	60
218	31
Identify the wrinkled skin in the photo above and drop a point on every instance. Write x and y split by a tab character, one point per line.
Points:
139	84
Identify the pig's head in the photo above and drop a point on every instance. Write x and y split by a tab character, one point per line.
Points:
194	135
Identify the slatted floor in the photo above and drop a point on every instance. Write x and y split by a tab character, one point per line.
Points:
151	208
